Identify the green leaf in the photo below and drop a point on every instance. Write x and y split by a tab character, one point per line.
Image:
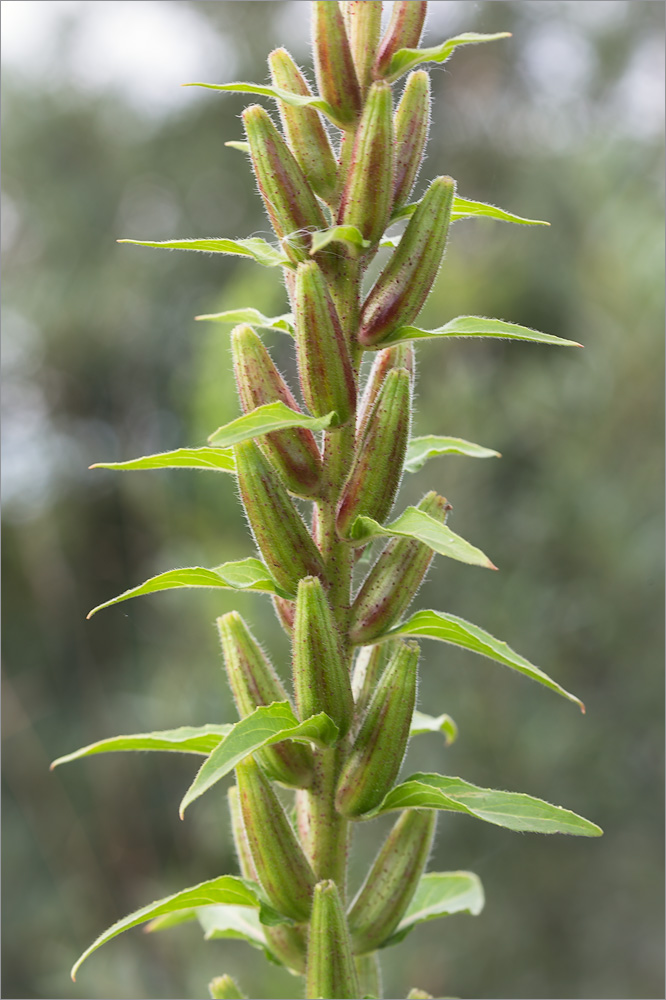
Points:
285	323
246	574
415	523
266	725
296	100
265	419
219	459
242	147
168	920
227	889
406	59
458	632
350	235
440	894
512	810
261	251
186	739
475	326
232	922
422	723
463	208
420	449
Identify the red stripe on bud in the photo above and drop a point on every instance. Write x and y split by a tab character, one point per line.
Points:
412	120
334	64
403	32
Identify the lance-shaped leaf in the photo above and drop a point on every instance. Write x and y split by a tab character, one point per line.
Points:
463	208
512	810
422	723
267	725
420	449
261	251
227	889
440	894
277	93
415	523
264	420
246	574
405	59
218	459
349	235
476	326
458	632
185	739
284	323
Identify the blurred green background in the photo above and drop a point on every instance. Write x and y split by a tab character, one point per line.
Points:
102	361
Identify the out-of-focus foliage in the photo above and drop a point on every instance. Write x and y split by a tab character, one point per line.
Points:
102	362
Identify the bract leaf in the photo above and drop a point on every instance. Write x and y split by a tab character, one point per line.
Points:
240	145
464	208
296	100
475	326
185	739
406	59
350	235
265	419
261	251
219	459
420	449
440	894
284	323
231	922
422	723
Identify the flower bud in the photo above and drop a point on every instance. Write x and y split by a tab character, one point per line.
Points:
363	21
400	356
401	289
403	32
285	610
306	135
321	678
224	988
284	871
369	974
377	467
369	666
412	120
243	853
417	994
331	972
376	756
278	529
367	197
392	881
324	365
289	945
290	202
293	451
393	582
334	65
254	682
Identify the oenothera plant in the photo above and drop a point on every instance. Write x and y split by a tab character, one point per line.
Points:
334	178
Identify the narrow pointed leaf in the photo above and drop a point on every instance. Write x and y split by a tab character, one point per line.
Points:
477	326
422	723
267	725
440	894
296	100
265	419
219	459
420	449
254	317
464	208
185	739
261	251
406	59
168	920
350	235
458	632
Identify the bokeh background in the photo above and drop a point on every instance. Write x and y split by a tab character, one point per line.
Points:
102	361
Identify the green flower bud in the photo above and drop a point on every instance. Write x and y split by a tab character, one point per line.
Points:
306	135
363	21
243	852
278	529
290	202
376	756
403	32
412	120
294	451
367	197
369	975
394	580
224	988
285	610
377	467
324	365
254	682
401	289
284	871
331	973
400	356
321	678
334	64
387	891
369	666
289	945
417	994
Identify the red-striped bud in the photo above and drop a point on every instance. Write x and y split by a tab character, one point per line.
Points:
324	365
243	853
375	473
403	32
285	610
379	748
398	295
400	356
363	21
331	972
278	529
306	135
367	197
334	64
321	678
412	120
392	881
284	871
254	682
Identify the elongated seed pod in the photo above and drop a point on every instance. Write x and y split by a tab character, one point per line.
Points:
380	745
284	871
334	64
306	135
412	120
294	451
321	678
224	988
403	32
394	580
400	356
290	201
331	972
401	289
278	529
324	365
392	881
367	197
254	682
363	21
375	473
